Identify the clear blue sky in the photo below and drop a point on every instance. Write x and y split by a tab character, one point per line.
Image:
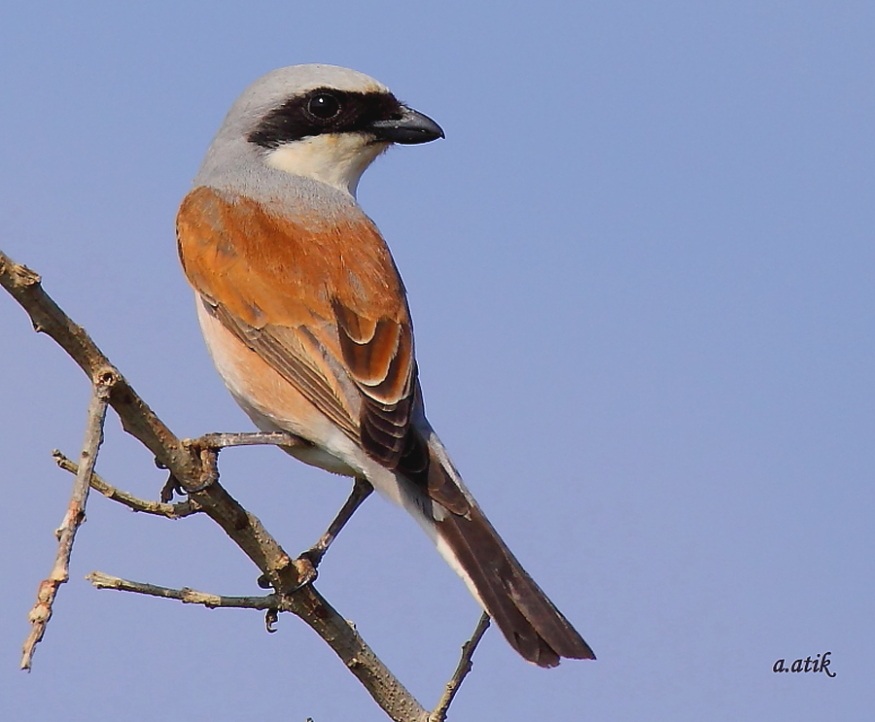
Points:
643	281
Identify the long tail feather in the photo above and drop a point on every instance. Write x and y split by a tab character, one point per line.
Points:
527	618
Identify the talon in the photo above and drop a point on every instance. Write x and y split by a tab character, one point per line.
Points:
170	489
313	556
307	572
271	617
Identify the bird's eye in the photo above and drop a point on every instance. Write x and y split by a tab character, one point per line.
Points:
323	106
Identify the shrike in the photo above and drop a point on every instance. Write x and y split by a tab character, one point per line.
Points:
306	318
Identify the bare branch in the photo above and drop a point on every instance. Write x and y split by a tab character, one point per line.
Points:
170	511
41	612
395	700
439	713
184	595
223	440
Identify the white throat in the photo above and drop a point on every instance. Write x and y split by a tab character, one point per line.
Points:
338	159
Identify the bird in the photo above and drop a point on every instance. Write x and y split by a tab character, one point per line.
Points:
306	318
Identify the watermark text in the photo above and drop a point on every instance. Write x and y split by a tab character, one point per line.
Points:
820	663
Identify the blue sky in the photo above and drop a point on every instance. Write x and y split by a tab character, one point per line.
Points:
641	272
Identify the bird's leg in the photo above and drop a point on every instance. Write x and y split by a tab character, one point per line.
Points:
361	490
308	562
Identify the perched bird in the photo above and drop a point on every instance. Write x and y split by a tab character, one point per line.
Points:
306	318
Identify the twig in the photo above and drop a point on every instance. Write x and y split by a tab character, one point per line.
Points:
439	713
225	439
170	511
207	448
41	612
185	595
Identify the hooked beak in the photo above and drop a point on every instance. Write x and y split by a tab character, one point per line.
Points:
410	128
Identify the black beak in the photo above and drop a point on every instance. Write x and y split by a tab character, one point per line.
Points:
410	128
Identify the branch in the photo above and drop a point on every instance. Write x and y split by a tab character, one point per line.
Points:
170	511
196	474
275	603
41	612
439	713
223	440
184	595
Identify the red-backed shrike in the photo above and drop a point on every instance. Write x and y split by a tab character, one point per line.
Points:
306	318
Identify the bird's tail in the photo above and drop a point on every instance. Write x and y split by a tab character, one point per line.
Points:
527	618
524	614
